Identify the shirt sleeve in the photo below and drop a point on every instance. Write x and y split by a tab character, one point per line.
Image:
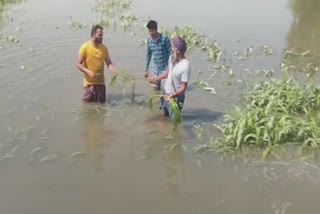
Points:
83	50
185	76
148	58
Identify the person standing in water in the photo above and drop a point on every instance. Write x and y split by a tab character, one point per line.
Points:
158	53
177	75
92	56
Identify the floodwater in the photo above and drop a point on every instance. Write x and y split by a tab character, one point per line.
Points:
58	155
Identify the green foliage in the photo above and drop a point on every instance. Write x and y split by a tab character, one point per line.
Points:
275	113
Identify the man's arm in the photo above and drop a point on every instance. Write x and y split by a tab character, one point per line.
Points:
162	76
184	83
110	65
180	91
83	69
148	59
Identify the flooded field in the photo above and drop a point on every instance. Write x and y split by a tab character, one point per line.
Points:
58	155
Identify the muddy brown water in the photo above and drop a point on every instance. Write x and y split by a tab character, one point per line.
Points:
118	158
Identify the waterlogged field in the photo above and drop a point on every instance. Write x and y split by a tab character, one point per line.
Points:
246	141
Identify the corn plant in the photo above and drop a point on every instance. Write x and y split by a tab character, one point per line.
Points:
275	113
125	78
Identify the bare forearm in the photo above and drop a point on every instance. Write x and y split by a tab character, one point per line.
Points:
109	64
162	76
179	92
111	68
83	69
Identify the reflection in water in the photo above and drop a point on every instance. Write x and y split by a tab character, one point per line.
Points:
305	29
174	167
171	148
94	135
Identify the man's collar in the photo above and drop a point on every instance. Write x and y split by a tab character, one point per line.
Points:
157	39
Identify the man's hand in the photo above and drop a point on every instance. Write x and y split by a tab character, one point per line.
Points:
90	73
112	68
169	97
146	75
153	79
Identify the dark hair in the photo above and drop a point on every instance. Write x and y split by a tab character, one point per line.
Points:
152	25
95	28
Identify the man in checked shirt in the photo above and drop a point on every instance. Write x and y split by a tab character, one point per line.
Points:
158	52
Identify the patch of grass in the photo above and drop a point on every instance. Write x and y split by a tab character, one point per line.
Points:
192	37
174	111
304	61
213	51
111	8
77	25
204	86
4	6
195	40
127	22
275	113
154	97
110	12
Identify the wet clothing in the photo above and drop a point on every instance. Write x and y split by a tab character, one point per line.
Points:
166	107
94	93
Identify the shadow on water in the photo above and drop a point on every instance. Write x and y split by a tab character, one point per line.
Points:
201	115
139	99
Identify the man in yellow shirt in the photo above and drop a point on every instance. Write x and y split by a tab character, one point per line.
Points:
92	56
